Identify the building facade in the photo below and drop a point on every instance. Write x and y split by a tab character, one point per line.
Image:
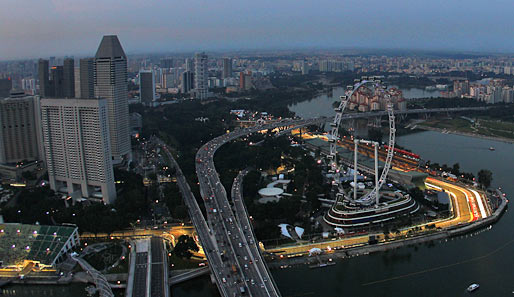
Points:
87	79
147	87
5	87
44	80
19	124
187	83
110	82
201	76
68	83
77	147
227	68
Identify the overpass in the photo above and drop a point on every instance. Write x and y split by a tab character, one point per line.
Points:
204	232
177	279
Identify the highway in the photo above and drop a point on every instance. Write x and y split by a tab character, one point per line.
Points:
243	217
204	233
246	269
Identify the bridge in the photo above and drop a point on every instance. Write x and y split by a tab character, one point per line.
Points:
99	279
177	279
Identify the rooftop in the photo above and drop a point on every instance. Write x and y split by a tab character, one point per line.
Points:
19	242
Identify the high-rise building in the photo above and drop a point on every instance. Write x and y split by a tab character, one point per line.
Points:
19	122
28	85
147	87
187	82
189	65
56	81
245	80
227	68
166	63
5	87
110	79
44	82
77	82
201	76
77	147
87	79
68	82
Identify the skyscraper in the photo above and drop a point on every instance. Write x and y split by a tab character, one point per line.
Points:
44	83
227	68
110	79
190	65
77	147
166	63
187	83
201	76
19	139
68	83
87	79
56	81
147	87
5	87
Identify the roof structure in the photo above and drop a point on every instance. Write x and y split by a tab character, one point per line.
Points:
19	242
110	47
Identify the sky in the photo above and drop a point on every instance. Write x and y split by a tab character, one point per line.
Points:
42	28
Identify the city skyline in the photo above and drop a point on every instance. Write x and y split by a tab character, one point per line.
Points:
72	27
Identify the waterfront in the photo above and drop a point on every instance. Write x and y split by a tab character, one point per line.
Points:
443	268
322	105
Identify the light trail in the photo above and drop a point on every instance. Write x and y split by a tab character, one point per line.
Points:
483	213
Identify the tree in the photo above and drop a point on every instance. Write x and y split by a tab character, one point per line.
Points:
485	177
185	244
456	169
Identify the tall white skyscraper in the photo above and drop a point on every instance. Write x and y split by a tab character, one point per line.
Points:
77	147
110	81
201	76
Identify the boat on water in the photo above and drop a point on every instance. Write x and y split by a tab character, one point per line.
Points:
473	287
491	148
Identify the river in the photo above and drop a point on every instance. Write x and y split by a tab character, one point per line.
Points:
323	105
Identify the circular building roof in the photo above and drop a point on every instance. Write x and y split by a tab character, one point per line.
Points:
270	192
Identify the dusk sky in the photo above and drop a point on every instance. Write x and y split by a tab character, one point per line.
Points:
42	28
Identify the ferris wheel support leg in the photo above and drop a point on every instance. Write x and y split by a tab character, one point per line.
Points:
376	174
356	152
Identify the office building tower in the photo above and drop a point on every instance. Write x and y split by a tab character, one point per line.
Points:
188	79
147	87
19	122
44	81
110	80
245	80
28	85
57	81
52	62
227	68
189	65
68	83
5	87
166	63
77	147
201	76
87	79
77	82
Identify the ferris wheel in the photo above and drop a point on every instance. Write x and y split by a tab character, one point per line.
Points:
373	196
